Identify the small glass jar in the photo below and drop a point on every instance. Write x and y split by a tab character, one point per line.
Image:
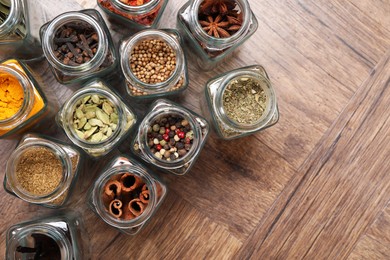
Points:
69	161
207	50
146	143
226	127
56	237
16	39
34	106
103	60
89	100
142	16
122	182
175	83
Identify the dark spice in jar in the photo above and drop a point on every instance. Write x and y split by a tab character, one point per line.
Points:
44	248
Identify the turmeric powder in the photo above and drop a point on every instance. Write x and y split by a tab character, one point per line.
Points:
11	95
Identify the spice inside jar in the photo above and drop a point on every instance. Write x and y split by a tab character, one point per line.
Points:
11	96
5	9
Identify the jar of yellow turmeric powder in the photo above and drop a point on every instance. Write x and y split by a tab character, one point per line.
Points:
22	103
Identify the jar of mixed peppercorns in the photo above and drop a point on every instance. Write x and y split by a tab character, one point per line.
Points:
214	29
95	118
154	64
241	102
42	171
56	237
170	137
126	195
78	46
139	13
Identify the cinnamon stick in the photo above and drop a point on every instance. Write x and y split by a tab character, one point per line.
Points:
130	182
115	208
136	207
112	190
144	196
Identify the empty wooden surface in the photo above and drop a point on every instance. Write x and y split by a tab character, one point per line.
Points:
314	186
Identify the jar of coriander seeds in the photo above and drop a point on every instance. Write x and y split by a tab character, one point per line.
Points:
126	195
95	118
78	46
154	63
42	171
170	137
240	102
138	13
214	29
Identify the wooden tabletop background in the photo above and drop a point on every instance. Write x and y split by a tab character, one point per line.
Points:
314	186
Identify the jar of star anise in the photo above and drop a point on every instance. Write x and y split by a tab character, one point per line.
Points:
126	195
213	29
139	13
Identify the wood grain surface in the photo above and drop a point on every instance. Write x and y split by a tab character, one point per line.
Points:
315	186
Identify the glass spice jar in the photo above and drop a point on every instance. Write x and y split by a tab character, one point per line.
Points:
78	46
126	195
170	137
208	45
16	38
140	14
165	70
24	102
252	99
54	237
42	170
95	118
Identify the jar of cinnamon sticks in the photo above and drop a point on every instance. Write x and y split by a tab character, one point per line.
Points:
126	195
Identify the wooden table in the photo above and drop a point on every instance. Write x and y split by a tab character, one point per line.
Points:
315	186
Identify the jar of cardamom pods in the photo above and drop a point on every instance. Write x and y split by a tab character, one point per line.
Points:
126	195
214	29
170	137
95	118
42	170
240	102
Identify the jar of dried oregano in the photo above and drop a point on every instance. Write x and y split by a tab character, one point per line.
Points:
42	171
240	102
126	195
154	64
78	46
95	118
170	137
214	29
138	13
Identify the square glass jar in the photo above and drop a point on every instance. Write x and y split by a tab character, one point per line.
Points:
22	185
214	98
207	50
95	118
126	195
175	83
170	137
95	51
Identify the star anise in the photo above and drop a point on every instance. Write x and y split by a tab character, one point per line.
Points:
215	27
217	6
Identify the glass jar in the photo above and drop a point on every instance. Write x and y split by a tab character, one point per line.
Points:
34	105
126	195
22	180
95	51
175	83
207	50
95	118
142	16
55	237
152	144
225	126
16	39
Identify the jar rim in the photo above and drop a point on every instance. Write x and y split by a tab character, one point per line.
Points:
136	9
12	18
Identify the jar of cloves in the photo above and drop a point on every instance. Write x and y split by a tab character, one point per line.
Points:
17	39
78	46
240	102
53	237
154	64
23	104
42	170
170	137
139	13
95	118
214	29
126	195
